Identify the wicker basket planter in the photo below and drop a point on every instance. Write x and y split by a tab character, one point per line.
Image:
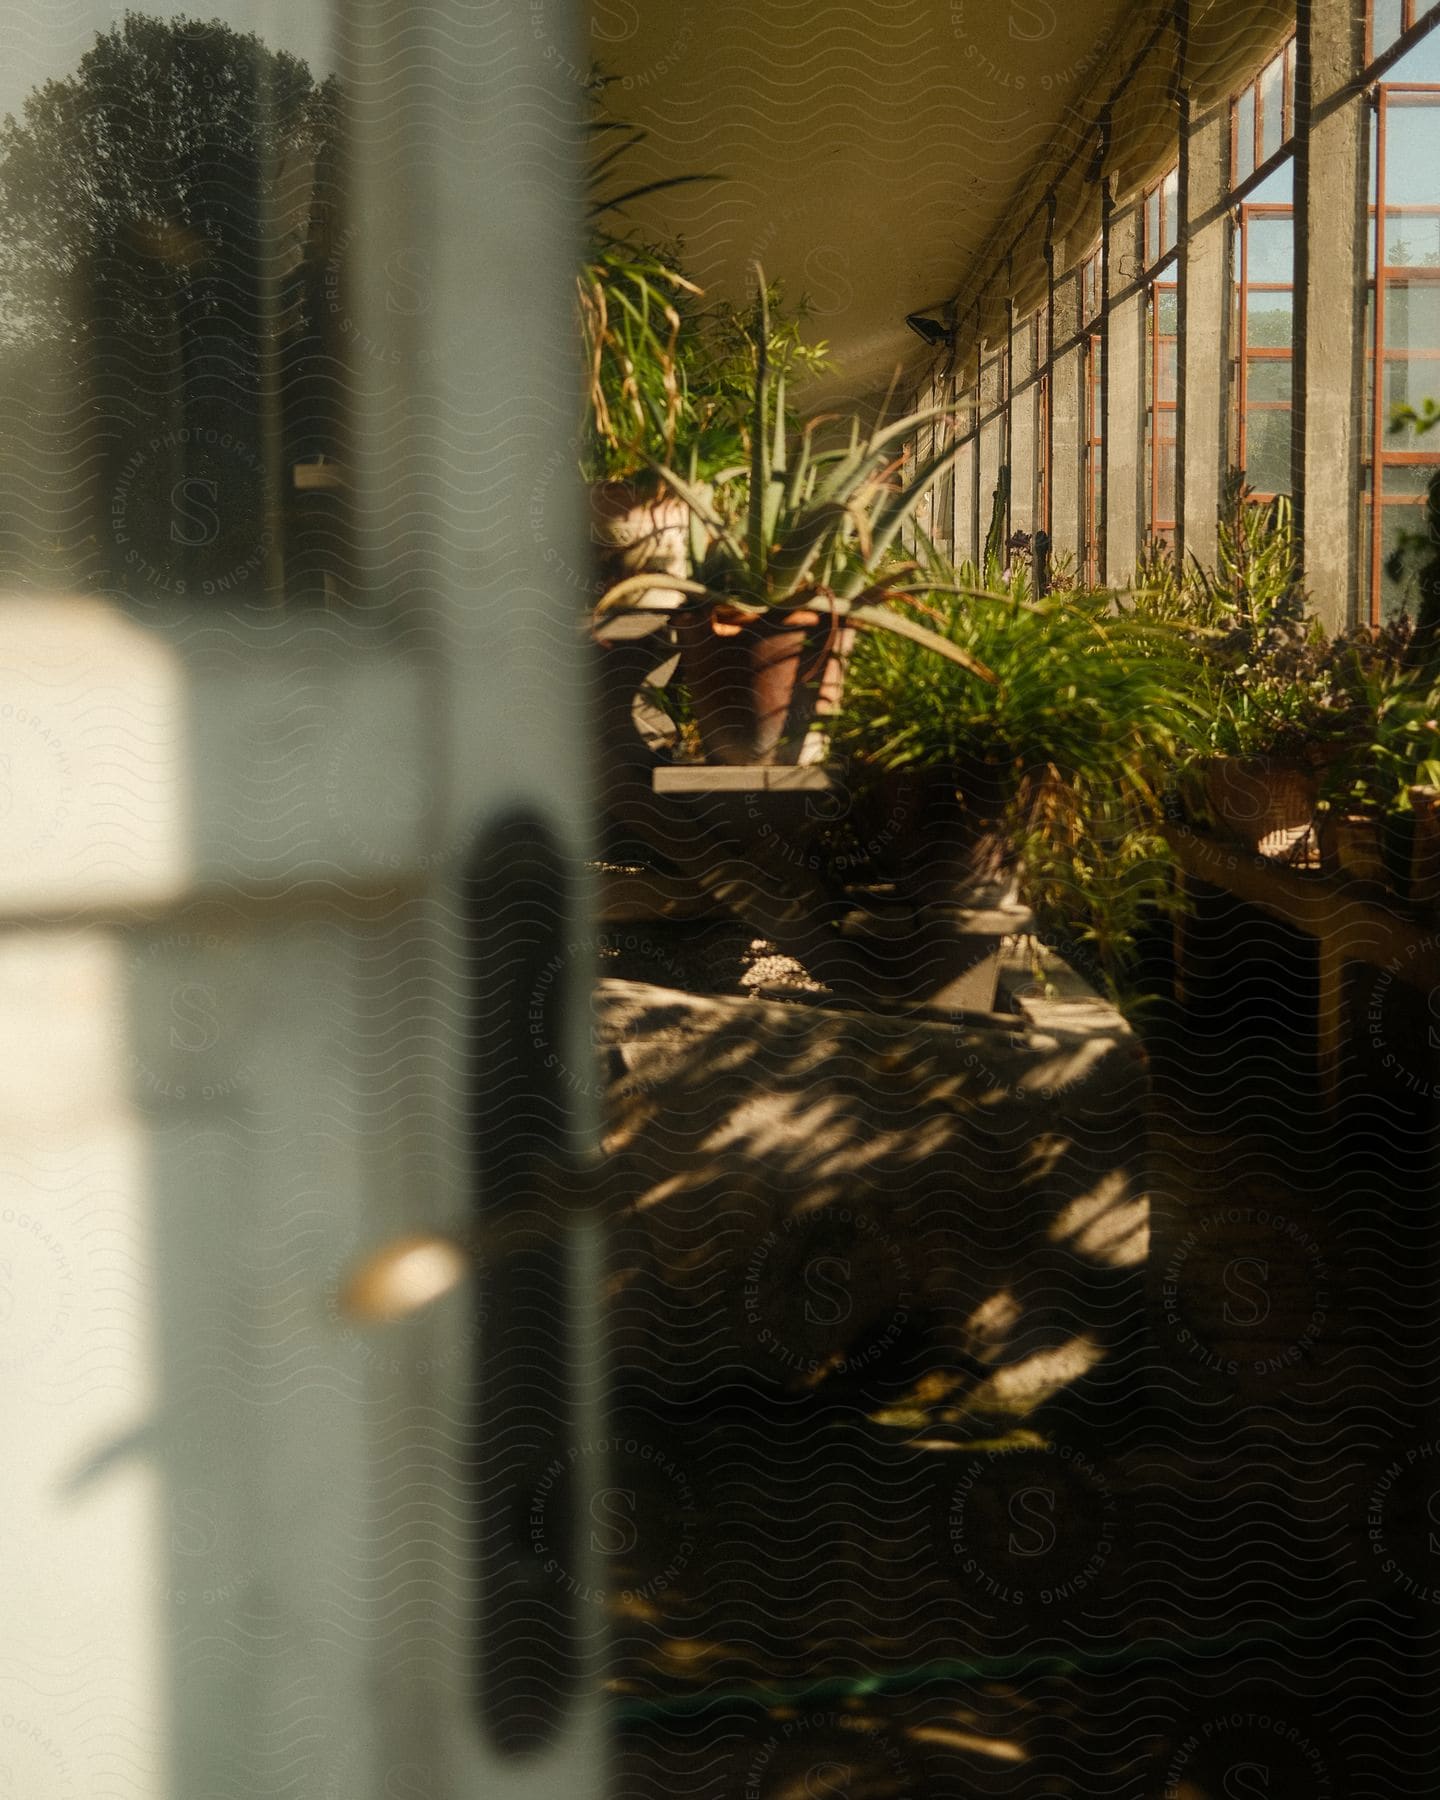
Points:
1252	798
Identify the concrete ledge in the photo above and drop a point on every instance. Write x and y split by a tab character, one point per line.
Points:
810	1193
705	778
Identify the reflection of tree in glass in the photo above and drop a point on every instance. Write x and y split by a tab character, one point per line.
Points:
1270	323
162	213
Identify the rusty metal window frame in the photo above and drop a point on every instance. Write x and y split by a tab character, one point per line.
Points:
1384	276
1249	158
1245	352
1413	14
1158	411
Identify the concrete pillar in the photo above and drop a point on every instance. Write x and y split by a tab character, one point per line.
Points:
1124	399
1067	407
1331	171
1203	391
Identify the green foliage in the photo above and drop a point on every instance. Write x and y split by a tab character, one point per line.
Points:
1265	672
144	303
799	527
668	379
1080	695
1074	740
1394	744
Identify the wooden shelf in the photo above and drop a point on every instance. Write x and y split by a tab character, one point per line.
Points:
1348	920
756	778
1324	906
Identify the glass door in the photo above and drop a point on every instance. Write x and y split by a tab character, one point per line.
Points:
292	796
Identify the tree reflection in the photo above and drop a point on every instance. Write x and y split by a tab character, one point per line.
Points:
167	214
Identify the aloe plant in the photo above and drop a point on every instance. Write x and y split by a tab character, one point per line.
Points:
801	528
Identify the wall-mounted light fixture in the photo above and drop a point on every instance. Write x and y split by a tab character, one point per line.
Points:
934	332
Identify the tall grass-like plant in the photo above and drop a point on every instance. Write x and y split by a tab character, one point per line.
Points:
1263	662
667	375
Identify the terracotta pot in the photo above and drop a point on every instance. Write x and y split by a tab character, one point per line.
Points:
757	685
635	530
1252	798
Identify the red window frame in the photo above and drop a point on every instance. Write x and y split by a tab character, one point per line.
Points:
1158	412
1377	357
1260	353
1161	242
1281	68
1411	13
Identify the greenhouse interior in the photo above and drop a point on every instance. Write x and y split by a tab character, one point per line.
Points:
720	792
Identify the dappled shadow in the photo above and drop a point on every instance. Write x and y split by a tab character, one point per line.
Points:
812	1192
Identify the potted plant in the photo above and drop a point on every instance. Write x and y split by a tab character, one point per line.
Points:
1265	676
789	554
1061	758
1379	787
635	310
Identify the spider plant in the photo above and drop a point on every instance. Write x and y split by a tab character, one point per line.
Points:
1081	697
1057	768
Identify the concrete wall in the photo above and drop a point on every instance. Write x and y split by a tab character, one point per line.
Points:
1124	459
1331	171
1204	320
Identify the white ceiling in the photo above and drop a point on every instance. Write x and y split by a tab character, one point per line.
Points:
867	152
874	154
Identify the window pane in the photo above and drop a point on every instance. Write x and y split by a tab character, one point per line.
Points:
1409	383
1270	249
1245	136
1399	523
1401	479
1389	21
1152	227
1170	195
1412	315
1412	153
1267	452
1168	357
1169	299
1422	63
1272	94
162	418
1412	240
1270	322
1269	378
1278	187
